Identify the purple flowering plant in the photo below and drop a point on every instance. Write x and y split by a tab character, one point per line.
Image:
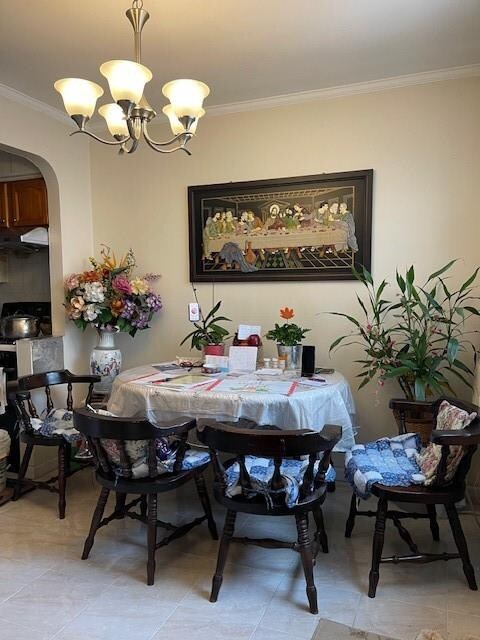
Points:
110	297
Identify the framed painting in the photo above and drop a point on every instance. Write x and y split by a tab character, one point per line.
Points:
303	228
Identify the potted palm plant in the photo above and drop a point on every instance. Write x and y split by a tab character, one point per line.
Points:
419	338
208	335
288	337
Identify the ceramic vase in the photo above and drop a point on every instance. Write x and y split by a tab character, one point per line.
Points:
291	354
105	360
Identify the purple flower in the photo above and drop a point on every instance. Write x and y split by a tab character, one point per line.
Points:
154	302
141	321
129	310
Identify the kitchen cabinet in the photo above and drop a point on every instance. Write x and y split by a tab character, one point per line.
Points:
23	204
28	203
3	205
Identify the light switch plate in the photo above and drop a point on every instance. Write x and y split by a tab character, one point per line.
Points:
193	312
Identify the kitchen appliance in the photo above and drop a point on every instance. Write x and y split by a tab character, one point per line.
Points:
24	356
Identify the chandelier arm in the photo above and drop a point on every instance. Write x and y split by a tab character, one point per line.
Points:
133	146
98	139
186	136
180	147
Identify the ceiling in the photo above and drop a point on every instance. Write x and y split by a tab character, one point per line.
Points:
244	50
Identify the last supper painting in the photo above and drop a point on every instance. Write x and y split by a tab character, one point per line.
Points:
303	228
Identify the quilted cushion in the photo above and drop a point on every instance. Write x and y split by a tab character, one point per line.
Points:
135	465
56	422
449	418
261	470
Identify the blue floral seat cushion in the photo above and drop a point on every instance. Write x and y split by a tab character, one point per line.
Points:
388	461
136	465
261	470
56	422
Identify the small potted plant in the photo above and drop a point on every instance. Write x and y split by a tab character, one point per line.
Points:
208	335
288	337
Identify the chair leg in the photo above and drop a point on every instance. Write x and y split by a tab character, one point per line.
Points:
377	547
62	481
461	543
120	500
432	514
227	534
97	516
305	550
22	471
205	500
351	516
143	507
321	534
151	536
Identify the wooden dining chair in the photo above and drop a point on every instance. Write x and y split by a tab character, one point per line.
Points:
441	492
26	410
266	496
126	455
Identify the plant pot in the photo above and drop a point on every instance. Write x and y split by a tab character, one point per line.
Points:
105	360
214	350
415	421
291	354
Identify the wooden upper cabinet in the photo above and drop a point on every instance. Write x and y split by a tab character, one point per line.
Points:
28	203
3	204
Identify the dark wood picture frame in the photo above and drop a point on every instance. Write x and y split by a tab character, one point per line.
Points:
302	228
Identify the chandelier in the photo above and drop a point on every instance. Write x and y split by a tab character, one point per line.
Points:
127	118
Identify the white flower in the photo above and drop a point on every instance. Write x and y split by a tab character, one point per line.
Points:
94	292
90	312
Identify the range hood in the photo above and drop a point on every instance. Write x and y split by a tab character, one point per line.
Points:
33	240
37	237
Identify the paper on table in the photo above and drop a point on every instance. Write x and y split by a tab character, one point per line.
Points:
247	330
242	358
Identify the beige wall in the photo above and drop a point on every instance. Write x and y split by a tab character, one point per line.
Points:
422	143
65	164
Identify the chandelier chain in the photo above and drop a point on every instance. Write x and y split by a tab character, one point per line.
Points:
137	4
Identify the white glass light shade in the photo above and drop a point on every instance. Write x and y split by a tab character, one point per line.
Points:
175	124
79	96
115	119
186	96
126	79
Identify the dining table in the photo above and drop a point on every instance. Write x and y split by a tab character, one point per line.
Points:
298	403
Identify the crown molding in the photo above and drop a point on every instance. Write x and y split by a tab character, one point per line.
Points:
358	88
316	95
37	105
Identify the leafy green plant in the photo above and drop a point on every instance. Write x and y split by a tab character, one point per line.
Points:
287	334
419	337
208	331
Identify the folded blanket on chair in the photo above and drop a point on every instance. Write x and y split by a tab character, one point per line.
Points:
388	461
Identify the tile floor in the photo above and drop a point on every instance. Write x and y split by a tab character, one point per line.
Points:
47	592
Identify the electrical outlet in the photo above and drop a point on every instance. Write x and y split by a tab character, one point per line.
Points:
193	312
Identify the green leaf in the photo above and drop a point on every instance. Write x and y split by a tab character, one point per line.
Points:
452	350
401	282
344	315
213	311
335	343
410	275
468	282
440	271
472	310
362	305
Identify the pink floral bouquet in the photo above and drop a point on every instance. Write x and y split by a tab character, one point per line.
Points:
110	297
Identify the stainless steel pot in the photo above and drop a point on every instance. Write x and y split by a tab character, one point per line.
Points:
16	327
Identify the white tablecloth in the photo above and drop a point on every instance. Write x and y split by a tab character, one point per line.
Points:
314	408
